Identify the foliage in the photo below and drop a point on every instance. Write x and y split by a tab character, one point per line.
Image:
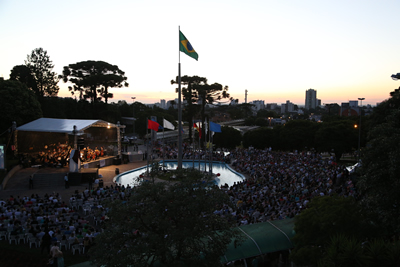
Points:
171	224
260	138
228	138
266	113
348	251
92	79
297	134
190	96
324	218
339	136
17	103
379	182
24	74
42	71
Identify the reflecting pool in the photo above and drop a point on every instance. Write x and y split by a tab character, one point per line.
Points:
227	175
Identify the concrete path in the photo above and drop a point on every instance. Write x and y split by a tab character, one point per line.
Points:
18	185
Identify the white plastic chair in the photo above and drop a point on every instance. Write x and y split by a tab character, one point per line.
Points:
21	237
86	208
13	238
33	240
63	243
3	234
76	247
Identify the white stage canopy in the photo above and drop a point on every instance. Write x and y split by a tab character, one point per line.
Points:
63	125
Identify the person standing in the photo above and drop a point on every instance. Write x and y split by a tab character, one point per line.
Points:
31	182
46	242
66	180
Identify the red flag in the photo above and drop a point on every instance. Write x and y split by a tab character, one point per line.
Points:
197	127
152	125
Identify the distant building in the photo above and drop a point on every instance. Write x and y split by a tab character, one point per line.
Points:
258	104
163	104
272	106
311	99
287	107
350	108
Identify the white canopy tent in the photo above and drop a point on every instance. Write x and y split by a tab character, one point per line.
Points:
66	126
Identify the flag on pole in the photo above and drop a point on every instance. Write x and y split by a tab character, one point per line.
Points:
186	47
168	125
152	125
214	127
198	128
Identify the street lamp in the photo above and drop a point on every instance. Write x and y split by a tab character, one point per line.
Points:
133	115
359	130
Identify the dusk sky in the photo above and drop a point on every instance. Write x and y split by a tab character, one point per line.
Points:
344	49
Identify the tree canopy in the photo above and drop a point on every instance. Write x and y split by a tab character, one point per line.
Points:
171	224
92	79
17	103
324	218
379	182
46	80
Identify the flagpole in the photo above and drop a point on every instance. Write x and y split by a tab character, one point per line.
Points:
163	154
179	110
147	145
193	144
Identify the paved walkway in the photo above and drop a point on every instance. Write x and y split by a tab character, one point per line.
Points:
18	185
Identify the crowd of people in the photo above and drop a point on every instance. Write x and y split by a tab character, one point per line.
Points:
46	221
279	185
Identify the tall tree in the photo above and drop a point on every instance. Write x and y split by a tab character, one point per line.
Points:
42	70
208	94
24	74
339	136
190	96
17	103
92	79
324	218
167	224
379	182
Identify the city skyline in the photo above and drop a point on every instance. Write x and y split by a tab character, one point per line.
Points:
276	50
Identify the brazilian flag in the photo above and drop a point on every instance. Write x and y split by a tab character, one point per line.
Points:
186	47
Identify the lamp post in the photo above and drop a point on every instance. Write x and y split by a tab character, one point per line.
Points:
133	115
359	130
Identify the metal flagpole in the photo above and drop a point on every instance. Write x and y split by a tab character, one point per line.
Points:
163	154
199	147
179	111
193	144
147	145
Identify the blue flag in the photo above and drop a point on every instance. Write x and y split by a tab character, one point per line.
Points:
214	127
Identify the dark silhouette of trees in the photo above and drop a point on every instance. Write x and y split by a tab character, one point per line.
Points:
24	75
92	79
167	224
17	103
42	71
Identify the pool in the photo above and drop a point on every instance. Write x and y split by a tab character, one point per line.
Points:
227	175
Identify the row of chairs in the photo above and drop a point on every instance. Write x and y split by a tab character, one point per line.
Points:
32	240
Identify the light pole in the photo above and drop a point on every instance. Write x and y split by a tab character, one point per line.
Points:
133	115
359	130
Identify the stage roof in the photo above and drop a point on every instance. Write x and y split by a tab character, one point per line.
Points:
63	125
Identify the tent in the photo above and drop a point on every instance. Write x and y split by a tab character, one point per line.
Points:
261	238
59	129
